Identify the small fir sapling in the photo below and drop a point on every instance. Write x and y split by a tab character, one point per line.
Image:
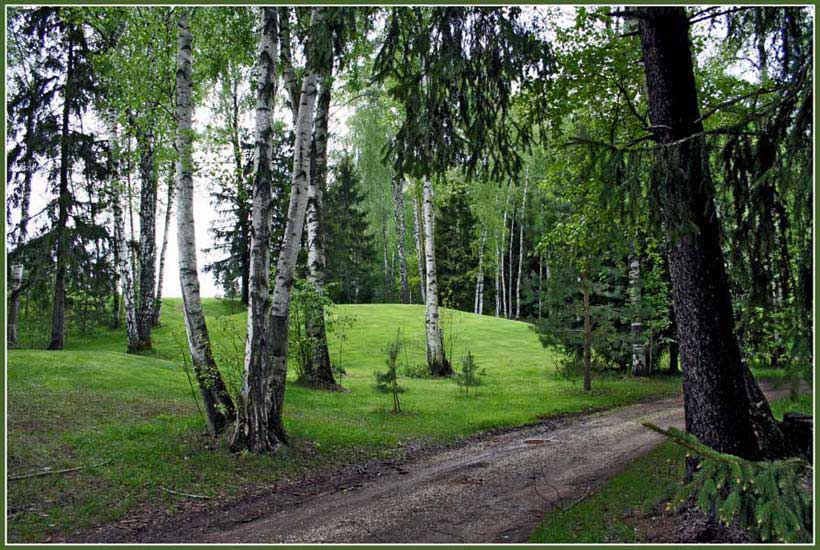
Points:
387	381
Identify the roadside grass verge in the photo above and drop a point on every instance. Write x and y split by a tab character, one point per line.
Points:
638	490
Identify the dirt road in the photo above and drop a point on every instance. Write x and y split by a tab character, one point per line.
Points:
491	489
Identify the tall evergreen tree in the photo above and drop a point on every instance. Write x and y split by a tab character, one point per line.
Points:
351	260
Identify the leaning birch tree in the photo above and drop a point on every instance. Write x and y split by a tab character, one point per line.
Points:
218	403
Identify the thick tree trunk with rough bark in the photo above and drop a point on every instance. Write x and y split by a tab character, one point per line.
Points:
123	257
436	360
254	427
64	201
724	407
169	208
319	370
398	210
148	239
419	239
218	403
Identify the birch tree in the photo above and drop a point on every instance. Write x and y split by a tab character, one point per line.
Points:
419	240
398	209
218	403
318	370
436	360
123	258
521	245
259	427
169	208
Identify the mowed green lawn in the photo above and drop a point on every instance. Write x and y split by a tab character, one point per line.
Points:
94	404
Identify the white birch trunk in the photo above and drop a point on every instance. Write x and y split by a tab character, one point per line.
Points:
419	248
255	429
169	208
479	283
319	369
398	209
436	360
292	239
638	357
218	403
510	281
521	246
501	263
124	257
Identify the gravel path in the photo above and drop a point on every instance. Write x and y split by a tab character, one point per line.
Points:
491	489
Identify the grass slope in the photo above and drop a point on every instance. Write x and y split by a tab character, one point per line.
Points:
92	403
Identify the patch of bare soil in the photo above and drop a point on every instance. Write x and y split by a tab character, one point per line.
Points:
685	526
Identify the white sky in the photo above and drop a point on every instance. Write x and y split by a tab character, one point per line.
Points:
204	213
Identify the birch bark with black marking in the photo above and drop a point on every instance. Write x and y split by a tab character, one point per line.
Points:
123	258
398	211
218	403
319	371
417	236
253	426
148	239
436	360
169	208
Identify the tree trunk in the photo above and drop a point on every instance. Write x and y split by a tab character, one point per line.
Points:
123	258
724	407
254	426
521	246
419	247
218	403
673	349
587	333
639	364
436	360
64	204
398	209
169	207
15	282
540	281
148	239
478	307
319	371
388	279
501	263
260	427
510	266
